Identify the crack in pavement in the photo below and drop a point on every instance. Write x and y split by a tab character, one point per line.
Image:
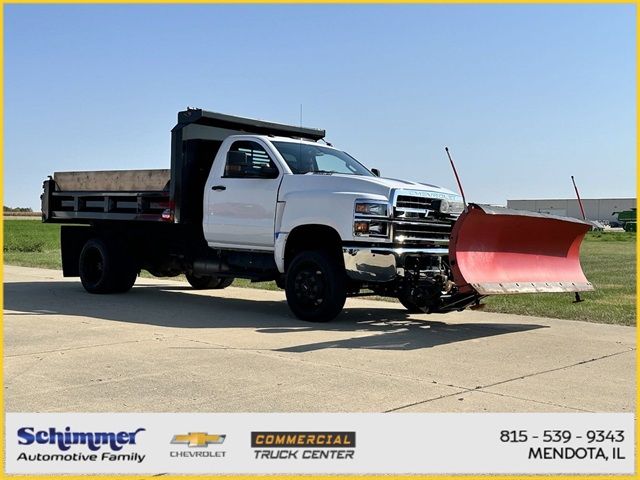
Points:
502	382
9	381
534	401
92	383
470	390
75	348
560	368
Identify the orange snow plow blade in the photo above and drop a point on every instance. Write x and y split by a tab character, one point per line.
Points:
496	250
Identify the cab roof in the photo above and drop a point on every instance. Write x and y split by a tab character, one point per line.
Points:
240	125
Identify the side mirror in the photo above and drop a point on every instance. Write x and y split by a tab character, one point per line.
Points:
375	171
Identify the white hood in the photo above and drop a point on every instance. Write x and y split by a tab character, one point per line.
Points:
364	185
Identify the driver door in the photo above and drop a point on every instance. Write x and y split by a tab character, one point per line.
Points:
242	198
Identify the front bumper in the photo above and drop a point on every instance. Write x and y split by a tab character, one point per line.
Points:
382	264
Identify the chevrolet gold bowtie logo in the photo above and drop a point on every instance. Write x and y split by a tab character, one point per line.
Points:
198	439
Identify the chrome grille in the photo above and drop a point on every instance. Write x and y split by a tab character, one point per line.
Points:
433	234
406	201
417	221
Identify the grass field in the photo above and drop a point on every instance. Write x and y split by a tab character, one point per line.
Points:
608	260
31	243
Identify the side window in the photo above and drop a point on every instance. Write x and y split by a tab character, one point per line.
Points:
249	160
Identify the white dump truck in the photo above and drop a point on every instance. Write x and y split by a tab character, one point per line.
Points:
251	199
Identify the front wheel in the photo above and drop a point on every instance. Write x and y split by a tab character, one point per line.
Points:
316	286
205	282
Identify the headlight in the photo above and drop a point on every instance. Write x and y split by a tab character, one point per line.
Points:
370	228
372	209
454	208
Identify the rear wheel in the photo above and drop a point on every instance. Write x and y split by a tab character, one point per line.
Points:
208	282
224	283
105	267
316	286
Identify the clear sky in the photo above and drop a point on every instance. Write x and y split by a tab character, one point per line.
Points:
524	96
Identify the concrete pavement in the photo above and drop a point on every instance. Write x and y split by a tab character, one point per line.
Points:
166	348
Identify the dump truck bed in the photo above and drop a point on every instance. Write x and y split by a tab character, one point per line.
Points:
82	197
113	180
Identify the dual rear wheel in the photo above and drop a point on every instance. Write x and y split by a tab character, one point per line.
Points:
105	267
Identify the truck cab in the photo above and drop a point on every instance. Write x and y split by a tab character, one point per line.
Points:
289	196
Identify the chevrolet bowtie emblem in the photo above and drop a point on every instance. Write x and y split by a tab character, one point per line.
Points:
198	439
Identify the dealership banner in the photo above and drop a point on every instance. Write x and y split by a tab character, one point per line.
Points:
454	443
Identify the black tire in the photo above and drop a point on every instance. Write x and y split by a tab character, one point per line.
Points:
224	283
316	286
409	305
208	282
105	267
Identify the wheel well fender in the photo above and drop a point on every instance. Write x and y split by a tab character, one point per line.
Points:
312	237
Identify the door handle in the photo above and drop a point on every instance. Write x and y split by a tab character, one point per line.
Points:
218	187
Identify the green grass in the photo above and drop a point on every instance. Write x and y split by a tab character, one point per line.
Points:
608	260
31	243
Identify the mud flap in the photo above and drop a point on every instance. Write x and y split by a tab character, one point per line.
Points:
496	250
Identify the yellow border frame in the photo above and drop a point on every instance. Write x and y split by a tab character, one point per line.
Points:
311	477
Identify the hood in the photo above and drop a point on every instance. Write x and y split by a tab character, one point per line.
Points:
367	185
425	188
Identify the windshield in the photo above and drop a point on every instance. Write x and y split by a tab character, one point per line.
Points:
304	158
